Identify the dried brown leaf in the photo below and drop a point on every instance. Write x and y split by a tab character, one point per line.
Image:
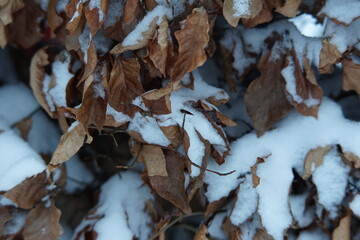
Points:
24	127
352	158
75	10
289	9
30	191
265	99
256	178
42	223
173	133
154	159
313	159
171	187
342	232
8	8
233	232
351	73
202	233
69	144
129	10
54	20
5	216
255	7
329	55
95	17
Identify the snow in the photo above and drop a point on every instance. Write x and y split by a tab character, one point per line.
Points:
344	11
45	90
122	203
330	179
16	103
308	25
315	234
287	152
302	216
215	227
16	223
97	4
136	35
62	76
43	4
60	6
177	6
355	205
18	160
241	7
114	12
119	117
84	41
78	176
149	130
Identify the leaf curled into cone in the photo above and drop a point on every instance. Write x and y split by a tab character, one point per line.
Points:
43	223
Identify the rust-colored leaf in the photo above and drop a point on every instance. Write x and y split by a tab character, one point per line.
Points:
171	187
42	223
154	159
30	191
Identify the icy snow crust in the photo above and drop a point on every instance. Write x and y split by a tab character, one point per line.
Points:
288	145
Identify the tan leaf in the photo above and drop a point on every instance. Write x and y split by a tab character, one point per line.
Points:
351	73
202	233
225	119
30	191
265	99
255	178
75	10
229	73
8	8
69	144
172	133
154	159
37	75
5	216
171	187
158	47
42	223
231	230
265	15
124	85
313	159
289	9
261	234
329	55
352	158
24	127
3	38
159	106
129	10
232	17
342	232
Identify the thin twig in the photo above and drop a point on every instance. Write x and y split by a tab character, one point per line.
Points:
212	171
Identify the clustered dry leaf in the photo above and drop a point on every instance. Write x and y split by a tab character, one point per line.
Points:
112	86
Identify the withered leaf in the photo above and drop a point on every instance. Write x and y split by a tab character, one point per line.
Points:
289	9
329	55
24	127
352	158
96	16
42	223
75	10
30	191
202	233
342	232
54	20
265	99
5	216
129	10
154	159
232	232
256	178
171	187
8	8
173	133
69	144
124	85
351	73
313	159
232	15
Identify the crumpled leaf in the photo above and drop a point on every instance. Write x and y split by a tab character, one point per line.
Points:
43	223
233	13
171	187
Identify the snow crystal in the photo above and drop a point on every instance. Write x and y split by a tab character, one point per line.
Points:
122	202
60	69
344	11
287	152
18	160
97	4
330	179
241	7
16	102
119	117
136	35
308	25
355	205
215	227
149	130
